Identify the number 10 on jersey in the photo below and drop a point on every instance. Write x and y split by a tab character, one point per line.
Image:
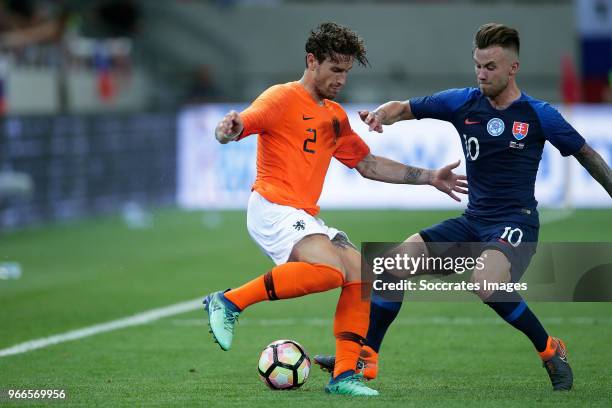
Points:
468	147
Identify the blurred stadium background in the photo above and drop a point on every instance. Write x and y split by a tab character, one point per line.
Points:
115	198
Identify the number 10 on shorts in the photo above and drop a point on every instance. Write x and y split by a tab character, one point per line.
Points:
513	236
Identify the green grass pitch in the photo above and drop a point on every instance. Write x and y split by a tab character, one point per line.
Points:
437	354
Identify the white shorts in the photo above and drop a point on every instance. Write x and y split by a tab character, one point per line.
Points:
277	228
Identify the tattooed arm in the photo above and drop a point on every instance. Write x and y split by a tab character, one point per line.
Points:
389	171
596	166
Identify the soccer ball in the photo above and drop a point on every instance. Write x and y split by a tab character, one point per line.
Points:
284	365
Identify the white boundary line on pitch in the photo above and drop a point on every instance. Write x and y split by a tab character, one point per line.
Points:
134	320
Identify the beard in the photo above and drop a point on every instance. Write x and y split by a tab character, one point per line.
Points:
323	94
492	91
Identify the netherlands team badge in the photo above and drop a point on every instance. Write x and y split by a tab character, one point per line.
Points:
519	130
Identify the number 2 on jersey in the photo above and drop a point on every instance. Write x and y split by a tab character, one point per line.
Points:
312	140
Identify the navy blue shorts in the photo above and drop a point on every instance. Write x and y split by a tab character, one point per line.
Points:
515	240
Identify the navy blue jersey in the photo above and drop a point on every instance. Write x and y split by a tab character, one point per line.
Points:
502	148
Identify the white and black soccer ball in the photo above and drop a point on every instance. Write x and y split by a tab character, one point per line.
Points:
284	365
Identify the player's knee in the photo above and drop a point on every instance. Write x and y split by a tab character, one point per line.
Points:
350	257
496	269
351	260
412	248
340	266
353	275
415	238
479	279
415	246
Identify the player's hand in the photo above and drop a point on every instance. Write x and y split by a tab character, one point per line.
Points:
229	128
374	120
448	182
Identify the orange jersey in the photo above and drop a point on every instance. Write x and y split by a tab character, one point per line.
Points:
297	139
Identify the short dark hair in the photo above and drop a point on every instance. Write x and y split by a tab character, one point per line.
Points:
331	40
492	34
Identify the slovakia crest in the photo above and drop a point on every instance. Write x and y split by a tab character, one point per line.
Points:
495	127
519	130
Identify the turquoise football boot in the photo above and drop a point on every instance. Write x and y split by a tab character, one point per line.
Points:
221	319
350	385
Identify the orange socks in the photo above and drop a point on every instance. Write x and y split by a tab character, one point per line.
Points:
286	281
370	359
351	325
552	345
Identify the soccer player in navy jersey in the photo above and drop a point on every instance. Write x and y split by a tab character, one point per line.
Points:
502	131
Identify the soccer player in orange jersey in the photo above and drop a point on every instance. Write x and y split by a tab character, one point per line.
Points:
300	129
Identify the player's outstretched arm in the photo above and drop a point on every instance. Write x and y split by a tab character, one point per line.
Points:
229	128
596	166
389	171
386	114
